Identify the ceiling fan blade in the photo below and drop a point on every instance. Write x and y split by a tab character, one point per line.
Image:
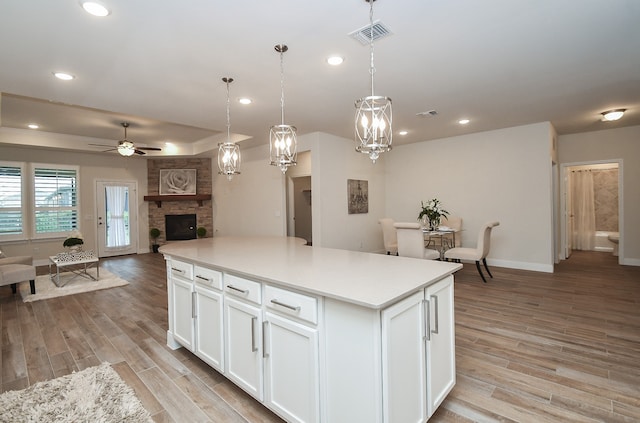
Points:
150	148
140	152
102	145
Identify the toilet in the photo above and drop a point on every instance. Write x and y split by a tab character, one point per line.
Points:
614	237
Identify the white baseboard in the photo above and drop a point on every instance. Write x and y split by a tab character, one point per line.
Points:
631	262
536	267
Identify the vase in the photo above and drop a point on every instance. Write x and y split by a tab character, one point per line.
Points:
434	224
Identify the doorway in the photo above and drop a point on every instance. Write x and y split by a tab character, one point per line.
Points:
117	217
300	219
592	207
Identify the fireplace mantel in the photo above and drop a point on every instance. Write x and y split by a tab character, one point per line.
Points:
160	198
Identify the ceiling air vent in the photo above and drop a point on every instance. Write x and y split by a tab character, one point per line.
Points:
364	34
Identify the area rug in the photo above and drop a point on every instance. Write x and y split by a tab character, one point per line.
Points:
96	394
45	288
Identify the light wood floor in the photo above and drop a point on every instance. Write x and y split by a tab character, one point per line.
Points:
530	347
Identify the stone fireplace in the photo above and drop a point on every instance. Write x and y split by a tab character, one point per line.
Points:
201	209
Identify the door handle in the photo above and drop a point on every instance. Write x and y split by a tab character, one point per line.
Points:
254	347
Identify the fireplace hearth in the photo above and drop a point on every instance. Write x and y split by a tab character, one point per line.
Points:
180	226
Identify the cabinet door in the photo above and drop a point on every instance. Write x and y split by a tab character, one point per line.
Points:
243	346
403	356
182	302
441	354
291	369
209	327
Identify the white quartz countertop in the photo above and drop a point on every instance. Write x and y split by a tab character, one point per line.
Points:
367	279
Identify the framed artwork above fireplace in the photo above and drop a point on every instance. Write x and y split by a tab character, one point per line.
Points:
177	182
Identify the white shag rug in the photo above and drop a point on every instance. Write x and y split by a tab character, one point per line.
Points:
96	394
45	288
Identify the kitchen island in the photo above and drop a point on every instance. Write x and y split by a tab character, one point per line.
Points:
316	334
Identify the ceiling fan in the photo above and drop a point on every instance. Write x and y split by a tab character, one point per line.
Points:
126	147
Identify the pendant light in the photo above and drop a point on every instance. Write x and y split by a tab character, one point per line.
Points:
373	114
228	151
282	138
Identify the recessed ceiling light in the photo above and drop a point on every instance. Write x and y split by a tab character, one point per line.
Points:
64	76
403	132
335	60
613	114
95	8
33	126
463	121
245	100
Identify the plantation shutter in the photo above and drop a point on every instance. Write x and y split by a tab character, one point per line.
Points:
56	200
11	213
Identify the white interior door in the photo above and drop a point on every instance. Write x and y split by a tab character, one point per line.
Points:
117	217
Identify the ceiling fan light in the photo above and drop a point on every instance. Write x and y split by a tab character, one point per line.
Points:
125	148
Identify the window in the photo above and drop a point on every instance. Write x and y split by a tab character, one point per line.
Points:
55	196
12	216
37	201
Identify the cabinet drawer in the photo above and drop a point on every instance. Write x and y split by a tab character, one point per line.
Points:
242	288
182	269
208	277
292	303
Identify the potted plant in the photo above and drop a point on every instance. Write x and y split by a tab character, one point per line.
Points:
201	232
154	233
431	213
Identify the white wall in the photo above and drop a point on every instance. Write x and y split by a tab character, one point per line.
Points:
254	203
92	166
502	175
613	144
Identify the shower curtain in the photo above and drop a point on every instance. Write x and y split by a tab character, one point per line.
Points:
584	214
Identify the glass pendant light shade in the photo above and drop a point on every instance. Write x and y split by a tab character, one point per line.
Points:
228	151
283	143
374	118
125	148
373	126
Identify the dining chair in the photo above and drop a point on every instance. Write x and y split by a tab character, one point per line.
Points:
455	223
411	242
389	236
479	253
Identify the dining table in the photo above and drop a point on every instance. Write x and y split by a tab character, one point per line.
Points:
440	233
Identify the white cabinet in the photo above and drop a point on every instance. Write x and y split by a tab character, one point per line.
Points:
418	353
181	303
243	334
291	356
209	317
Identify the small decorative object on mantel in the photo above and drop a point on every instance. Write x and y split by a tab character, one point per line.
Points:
74	241
177	182
201	232
431	213
358	196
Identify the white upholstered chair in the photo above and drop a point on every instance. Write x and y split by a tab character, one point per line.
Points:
389	236
479	253
411	242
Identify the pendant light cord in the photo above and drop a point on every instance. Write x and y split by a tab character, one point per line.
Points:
372	69
282	85
228	114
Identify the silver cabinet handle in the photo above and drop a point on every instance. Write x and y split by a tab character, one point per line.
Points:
435	309
193	305
281	304
265	353
203	278
254	347
243	291
428	316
